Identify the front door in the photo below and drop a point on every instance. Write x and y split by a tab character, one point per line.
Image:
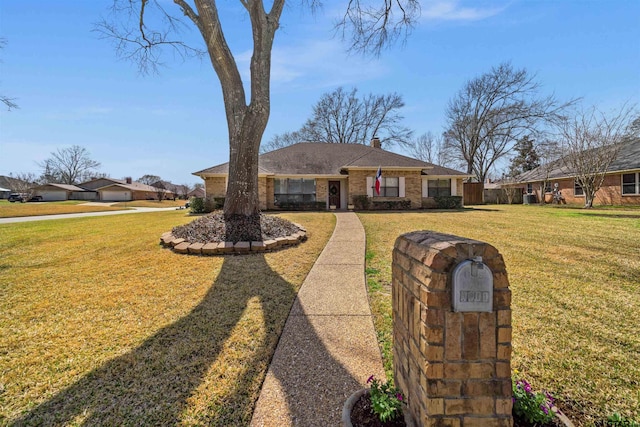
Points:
334	194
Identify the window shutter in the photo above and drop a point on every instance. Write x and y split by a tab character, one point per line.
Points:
370	186
401	186
454	191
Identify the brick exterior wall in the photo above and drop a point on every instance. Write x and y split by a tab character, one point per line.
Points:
322	189
215	186
609	194
412	184
453	367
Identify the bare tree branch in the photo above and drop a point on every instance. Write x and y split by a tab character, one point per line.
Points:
591	141
494	110
372	28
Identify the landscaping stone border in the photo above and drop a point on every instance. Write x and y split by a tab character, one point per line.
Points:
181	246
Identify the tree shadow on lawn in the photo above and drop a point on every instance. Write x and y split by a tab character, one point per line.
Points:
151	384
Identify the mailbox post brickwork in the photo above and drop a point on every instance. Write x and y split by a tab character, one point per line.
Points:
453	366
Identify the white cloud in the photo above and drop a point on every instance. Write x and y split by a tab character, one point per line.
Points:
316	63
451	10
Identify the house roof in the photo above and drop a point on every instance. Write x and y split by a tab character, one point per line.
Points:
66	187
135	186
628	159
318	158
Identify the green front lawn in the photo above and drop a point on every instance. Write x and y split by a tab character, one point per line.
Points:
101	325
8	209
575	278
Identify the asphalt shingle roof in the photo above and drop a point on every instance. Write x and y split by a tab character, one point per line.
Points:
628	159
317	158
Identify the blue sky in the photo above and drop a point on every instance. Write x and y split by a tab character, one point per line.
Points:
73	90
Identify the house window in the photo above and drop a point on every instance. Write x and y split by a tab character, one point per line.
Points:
389	187
577	189
439	187
631	183
291	190
529	188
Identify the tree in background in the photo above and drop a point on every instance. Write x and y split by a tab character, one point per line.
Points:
70	165
149	179
590	142
8	102
493	111
526	157
428	148
22	182
343	117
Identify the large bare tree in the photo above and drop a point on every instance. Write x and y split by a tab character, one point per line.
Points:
342	117
493	111
591	140
69	165
246	117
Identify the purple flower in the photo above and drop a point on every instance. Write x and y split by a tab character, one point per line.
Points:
399	397
370	379
544	409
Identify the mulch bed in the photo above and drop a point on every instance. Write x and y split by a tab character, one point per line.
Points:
213	228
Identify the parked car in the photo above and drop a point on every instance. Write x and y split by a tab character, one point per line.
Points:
16	197
35	199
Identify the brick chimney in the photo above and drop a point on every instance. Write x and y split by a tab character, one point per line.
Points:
128	180
375	142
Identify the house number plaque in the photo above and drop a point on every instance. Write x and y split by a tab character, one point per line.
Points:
472	286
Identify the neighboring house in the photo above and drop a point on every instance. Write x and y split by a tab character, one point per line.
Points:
4	192
196	192
621	184
57	192
178	190
334	175
122	190
11	185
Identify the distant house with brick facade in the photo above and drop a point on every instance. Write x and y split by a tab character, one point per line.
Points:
324	176
621	184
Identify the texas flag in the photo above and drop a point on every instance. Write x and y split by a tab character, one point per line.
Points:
378	180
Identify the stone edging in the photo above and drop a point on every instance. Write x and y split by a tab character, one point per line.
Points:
181	246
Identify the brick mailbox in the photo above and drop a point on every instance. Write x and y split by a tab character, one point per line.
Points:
452	330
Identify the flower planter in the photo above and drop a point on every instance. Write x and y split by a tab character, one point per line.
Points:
351	401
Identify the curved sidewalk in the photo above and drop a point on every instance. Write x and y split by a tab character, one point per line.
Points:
328	347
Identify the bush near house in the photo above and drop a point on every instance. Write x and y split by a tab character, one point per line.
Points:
448	202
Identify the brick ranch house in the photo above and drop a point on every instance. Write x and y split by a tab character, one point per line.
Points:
329	176
621	184
103	189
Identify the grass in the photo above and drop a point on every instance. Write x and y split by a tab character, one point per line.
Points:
575	278
152	203
8	209
101	325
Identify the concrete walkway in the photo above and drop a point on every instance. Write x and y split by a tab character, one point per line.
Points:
80	215
328	347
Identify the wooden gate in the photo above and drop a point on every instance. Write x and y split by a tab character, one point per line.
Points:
473	193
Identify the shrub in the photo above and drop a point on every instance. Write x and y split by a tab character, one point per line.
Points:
196	204
391	205
302	206
448	202
361	201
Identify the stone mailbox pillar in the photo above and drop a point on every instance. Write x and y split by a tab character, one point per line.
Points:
452	330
